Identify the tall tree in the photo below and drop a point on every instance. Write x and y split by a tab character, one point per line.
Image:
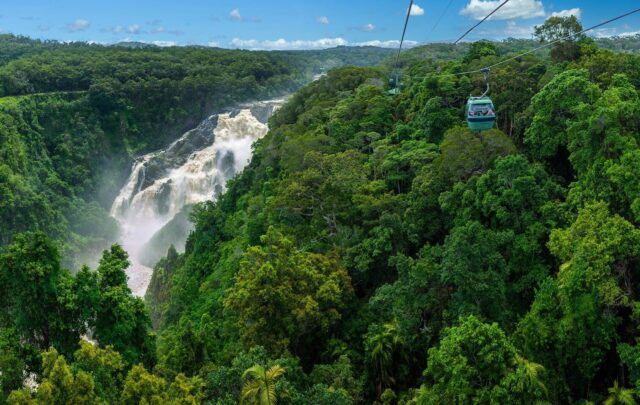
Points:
475	363
566	30
305	295
122	320
43	304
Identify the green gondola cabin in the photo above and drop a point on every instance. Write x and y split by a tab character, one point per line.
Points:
480	113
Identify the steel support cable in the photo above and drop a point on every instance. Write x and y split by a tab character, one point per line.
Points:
481	21
441	17
396	77
404	31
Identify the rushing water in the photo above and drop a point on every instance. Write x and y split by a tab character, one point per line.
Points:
193	169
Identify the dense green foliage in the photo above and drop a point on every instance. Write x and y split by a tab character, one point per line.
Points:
374	250
491	268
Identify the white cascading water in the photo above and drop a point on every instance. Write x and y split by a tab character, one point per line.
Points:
193	169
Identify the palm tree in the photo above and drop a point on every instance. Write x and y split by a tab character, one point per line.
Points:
533	375
383	351
620	395
260	385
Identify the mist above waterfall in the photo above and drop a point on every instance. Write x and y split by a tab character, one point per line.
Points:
163	185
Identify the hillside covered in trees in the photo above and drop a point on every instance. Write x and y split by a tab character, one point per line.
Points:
374	251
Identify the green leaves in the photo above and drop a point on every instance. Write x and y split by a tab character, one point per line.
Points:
595	252
554	107
260	385
282	295
571	323
475	363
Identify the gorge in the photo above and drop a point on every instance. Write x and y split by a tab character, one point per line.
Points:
152	207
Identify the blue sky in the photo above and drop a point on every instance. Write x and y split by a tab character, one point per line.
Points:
279	24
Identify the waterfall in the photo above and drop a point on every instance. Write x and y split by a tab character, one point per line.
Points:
193	169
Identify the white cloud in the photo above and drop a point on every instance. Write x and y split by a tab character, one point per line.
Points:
515	9
157	29
163	43
604	32
613	32
323	43
283	44
416	10
129	39
568	13
214	44
78	25
386	44
323	20
235	15
518	31
133	29
629	34
368	28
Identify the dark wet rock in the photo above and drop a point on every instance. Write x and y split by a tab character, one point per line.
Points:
163	194
175	233
178	153
226	164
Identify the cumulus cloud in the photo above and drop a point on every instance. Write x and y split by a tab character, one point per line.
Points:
323	20
416	10
613	32
518	31
283	44
368	28
629	34
164	43
577	12
235	15
78	25
386	44
323	43
133	29
515	9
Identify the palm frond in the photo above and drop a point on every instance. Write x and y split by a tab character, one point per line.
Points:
275	372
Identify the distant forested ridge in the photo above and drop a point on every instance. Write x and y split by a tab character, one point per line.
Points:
374	251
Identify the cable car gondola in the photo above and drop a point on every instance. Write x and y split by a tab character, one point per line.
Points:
481	114
395	84
480	111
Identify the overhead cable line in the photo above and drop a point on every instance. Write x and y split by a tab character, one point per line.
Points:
548	44
481	21
441	17
395	79
404	31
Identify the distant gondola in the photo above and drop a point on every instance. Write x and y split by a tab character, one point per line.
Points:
395	84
